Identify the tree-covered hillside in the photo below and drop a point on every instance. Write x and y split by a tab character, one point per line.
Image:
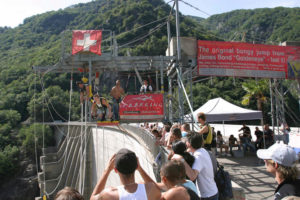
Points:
265	25
140	29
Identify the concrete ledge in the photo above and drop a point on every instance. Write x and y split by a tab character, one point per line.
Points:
238	192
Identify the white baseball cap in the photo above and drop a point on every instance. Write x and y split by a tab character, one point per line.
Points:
280	153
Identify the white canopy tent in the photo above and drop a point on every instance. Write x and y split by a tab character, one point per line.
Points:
219	110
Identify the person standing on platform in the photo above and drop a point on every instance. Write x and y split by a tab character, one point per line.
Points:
286	133
146	88
245	129
269	135
117	92
259	143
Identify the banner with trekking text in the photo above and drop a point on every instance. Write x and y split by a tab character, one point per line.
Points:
144	107
241	59
87	40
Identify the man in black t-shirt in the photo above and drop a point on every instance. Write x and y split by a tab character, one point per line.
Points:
245	138
269	136
259	138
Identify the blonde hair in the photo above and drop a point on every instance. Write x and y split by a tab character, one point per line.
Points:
288	173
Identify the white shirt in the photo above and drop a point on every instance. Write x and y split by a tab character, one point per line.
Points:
144	89
139	194
205	179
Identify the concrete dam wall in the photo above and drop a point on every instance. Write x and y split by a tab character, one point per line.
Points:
83	152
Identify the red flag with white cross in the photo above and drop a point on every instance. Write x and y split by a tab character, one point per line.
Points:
86	40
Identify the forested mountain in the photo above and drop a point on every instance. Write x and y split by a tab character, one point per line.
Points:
264	25
140	29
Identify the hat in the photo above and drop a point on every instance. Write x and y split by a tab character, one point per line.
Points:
125	161
280	153
84	80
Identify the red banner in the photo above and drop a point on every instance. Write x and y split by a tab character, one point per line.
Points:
293	53
87	40
241	59
140	108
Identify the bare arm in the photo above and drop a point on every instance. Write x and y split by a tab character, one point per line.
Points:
111	92
169	141
101	184
191	173
143	174
122	92
203	130
162	186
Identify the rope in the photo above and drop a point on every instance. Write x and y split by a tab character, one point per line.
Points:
34	127
67	137
43	129
71	164
84	159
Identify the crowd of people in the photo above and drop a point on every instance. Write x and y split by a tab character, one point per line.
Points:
190	170
213	141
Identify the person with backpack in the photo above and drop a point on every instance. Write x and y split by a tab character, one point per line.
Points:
205	130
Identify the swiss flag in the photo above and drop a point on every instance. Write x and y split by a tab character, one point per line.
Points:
86	40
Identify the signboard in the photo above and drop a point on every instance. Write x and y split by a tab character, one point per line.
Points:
293	68
146	107
241	59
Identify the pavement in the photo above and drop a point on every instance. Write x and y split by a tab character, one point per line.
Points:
250	174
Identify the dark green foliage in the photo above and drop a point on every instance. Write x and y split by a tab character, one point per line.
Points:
8	162
10	117
53	103
43	135
264	25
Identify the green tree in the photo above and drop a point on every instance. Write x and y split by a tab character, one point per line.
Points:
257	90
9	158
12	117
42	134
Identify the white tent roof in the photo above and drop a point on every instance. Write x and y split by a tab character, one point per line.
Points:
220	110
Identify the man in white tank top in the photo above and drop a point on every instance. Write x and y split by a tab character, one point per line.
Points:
124	163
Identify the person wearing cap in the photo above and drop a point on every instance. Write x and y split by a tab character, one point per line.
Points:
125	163
280	160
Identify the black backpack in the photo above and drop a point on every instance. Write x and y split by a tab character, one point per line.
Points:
223	182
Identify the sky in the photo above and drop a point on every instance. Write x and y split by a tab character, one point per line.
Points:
13	12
